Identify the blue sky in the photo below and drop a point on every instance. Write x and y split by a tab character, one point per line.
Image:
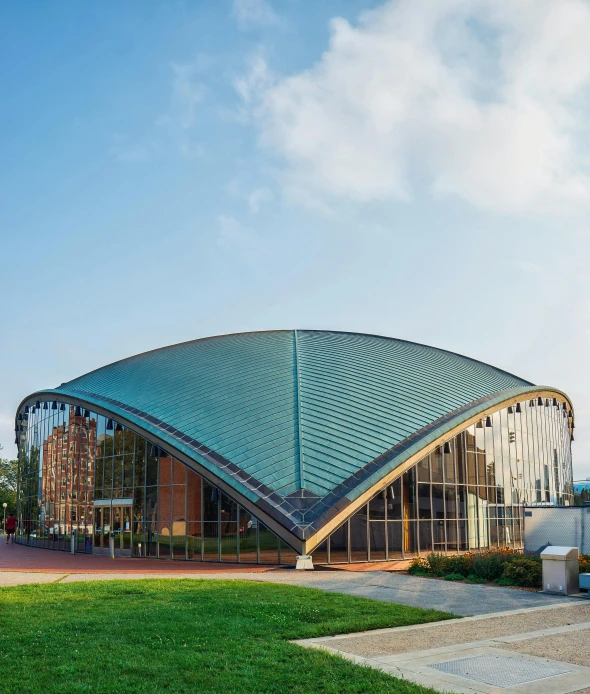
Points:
181	169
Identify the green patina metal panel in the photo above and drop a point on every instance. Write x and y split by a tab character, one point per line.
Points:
362	394
235	394
357	396
299	411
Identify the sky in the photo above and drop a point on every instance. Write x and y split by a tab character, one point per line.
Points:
173	170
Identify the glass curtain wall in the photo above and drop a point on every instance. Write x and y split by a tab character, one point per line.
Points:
469	494
73	462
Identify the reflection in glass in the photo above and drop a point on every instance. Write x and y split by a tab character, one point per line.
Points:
358	536
479	489
338	545
248	536
377	533
268	545
471	497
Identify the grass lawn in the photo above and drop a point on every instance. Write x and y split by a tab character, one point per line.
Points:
186	636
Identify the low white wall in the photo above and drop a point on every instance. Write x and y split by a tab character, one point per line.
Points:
564	526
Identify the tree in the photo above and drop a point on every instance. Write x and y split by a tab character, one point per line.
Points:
582	498
8	479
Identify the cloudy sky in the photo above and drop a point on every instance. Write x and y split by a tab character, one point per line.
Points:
180	169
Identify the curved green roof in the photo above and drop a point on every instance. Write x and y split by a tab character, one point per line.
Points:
293	419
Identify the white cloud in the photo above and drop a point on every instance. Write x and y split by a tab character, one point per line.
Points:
124	150
256	81
478	99
191	150
133	153
257	197
234	237
252	13
188	92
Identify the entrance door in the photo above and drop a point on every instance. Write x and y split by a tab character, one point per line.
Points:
112	521
102	529
97	531
121	529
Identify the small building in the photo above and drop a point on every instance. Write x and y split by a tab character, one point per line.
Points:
261	446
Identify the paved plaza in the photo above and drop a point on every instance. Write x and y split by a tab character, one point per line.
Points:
508	641
542	650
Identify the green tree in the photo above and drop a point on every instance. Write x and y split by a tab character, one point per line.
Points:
8	478
583	498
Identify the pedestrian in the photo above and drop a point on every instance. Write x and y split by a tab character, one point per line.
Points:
9	528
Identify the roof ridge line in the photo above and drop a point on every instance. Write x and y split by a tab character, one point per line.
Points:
299	434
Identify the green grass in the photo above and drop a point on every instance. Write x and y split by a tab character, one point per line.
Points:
187	636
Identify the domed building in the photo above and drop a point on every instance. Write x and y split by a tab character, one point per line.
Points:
259	447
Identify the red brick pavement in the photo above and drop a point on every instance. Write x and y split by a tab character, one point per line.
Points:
22	558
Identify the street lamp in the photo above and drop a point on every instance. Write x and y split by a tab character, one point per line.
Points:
4	505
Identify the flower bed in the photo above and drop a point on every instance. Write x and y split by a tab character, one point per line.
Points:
504	567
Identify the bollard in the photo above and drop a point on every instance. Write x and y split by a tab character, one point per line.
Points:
73	543
112	545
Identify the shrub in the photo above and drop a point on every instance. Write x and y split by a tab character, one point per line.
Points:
419	567
460	564
504	582
584	563
524	571
472	578
437	564
489	566
454	577
506	553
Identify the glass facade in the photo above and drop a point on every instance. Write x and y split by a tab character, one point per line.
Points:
86	477
468	494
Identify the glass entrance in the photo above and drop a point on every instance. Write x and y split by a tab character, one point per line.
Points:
112	523
121	530
97	531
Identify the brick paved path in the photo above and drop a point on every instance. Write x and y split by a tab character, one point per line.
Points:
22	558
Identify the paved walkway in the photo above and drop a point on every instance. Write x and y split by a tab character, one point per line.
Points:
16	557
543	650
518	641
18	561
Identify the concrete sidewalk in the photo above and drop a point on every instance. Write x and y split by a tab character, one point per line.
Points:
544	650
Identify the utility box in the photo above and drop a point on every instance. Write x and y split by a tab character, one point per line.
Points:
560	570
585	582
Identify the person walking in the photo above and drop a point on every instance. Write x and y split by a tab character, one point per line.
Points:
10	528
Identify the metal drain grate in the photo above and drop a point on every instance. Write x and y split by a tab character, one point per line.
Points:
499	670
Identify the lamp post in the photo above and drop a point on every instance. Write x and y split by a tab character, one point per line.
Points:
4	505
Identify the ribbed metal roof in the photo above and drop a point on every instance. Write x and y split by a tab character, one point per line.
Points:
298	413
